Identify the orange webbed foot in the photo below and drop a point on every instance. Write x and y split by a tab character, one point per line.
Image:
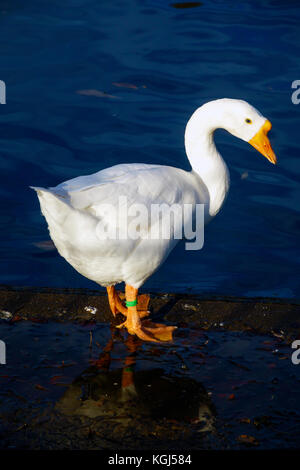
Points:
137	308
149	331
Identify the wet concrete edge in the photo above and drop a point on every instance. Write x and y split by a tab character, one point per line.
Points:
277	317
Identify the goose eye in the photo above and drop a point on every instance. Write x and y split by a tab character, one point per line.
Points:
248	121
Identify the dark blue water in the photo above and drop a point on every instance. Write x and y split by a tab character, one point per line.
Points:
171	60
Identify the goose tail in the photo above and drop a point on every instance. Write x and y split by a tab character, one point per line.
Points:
55	207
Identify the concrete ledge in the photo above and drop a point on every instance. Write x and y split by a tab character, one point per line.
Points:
278	317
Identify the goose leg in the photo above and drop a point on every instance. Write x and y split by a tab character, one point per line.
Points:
111	300
145	330
142	305
116	305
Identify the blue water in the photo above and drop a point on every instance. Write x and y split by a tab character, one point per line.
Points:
174	60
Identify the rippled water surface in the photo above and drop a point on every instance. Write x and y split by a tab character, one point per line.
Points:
149	65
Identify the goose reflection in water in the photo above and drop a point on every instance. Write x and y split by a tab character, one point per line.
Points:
127	395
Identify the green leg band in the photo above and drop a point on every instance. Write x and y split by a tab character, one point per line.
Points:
131	303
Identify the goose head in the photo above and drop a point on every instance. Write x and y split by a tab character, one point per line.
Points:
235	116
245	122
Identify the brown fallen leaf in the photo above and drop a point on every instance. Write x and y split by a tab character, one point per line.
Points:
55	379
247	440
231	397
16	318
125	85
245	420
98	93
21	427
241	366
46	245
63	364
195	420
40	387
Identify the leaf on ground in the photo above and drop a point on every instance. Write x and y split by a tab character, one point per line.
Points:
247	440
55	379
21	427
40	387
245	420
16	318
63	364
240	366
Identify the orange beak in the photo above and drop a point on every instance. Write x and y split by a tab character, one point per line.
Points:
261	142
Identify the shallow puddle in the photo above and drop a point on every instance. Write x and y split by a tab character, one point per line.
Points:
92	386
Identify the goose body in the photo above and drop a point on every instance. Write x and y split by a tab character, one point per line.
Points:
76	210
73	211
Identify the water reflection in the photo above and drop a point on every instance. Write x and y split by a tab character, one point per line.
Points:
128	395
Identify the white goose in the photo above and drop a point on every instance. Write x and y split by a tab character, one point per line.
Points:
76	208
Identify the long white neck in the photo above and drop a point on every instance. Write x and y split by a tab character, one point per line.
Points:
204	156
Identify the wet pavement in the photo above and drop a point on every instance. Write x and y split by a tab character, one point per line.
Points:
80	383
